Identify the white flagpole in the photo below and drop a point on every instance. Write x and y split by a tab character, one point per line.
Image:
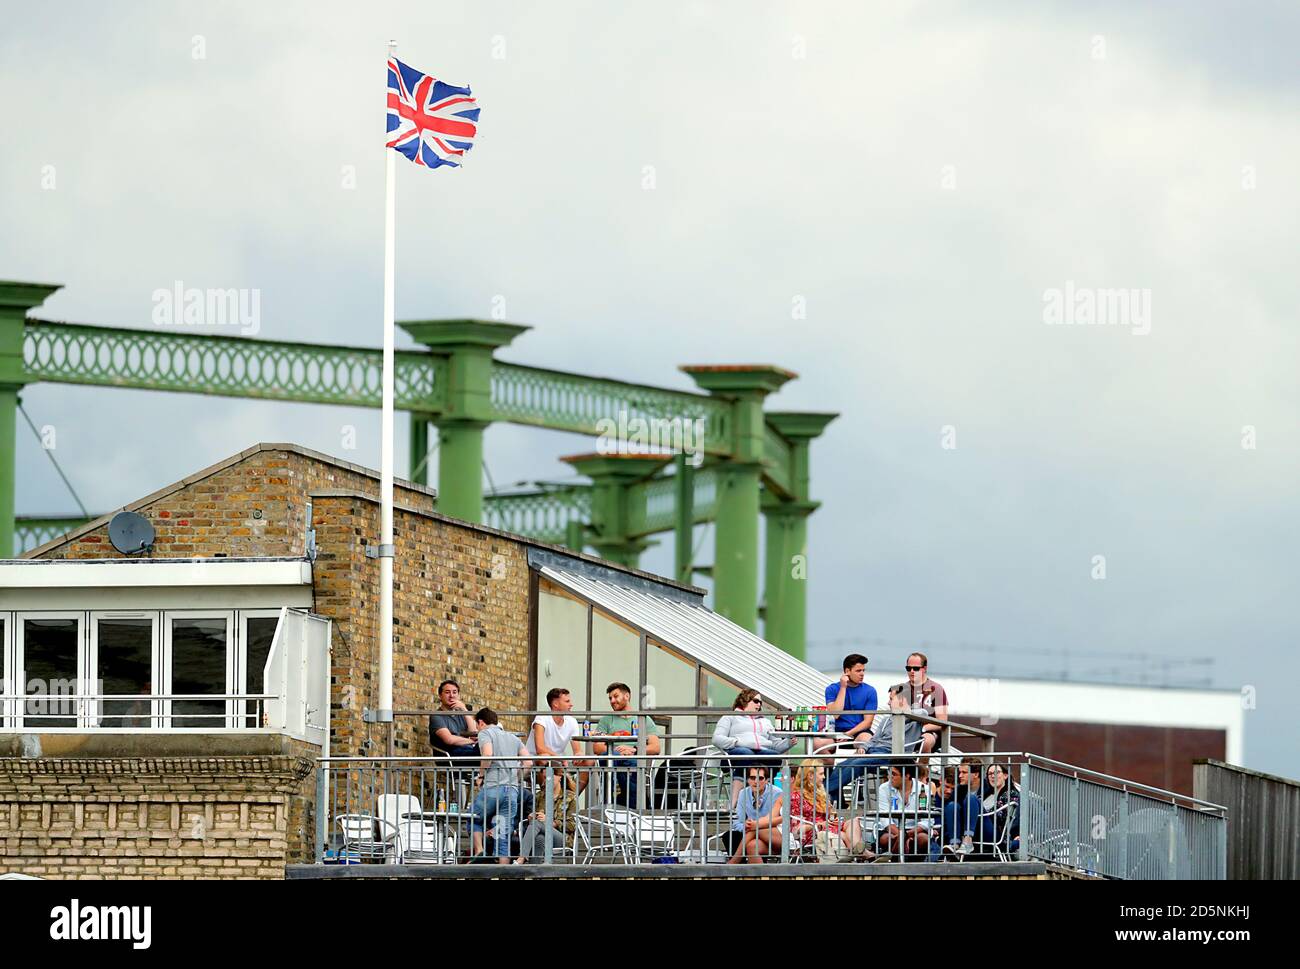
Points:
385	711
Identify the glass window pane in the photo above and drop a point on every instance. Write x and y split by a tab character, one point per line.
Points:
198	666
670	682
125	667
561	646
260	630
615	658
50	672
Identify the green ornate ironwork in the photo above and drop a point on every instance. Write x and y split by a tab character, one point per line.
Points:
572	402
661	501
456	383
776	460
226	366
544	515
32	531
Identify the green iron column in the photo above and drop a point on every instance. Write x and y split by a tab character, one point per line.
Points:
15	300
735	558
786	581
617	509
419	448
468	346
684	528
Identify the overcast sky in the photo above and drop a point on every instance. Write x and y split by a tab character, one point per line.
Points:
918	175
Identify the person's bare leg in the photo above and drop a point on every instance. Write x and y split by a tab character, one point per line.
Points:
477	842
738	855
751	849
736	785
920	842
888	839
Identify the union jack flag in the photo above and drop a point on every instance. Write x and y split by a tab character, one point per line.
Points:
429	121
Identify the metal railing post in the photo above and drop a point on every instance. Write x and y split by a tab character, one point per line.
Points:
549	800
1026	823
322	810
1123	836
785	813
1221	847
1074	822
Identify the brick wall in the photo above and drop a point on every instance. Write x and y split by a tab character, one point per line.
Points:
460	611
165	817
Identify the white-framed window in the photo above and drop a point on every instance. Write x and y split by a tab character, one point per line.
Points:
256	631
8	671
57	666
198	659
50	669
124	661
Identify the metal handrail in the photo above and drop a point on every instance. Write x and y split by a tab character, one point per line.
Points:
1124	785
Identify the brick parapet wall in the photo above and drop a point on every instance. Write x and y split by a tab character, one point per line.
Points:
157	817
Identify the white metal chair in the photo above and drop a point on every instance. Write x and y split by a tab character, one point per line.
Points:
361	841
598	835
1004	819
423	843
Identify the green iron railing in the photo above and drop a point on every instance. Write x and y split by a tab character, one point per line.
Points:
227	366
572	402
543	515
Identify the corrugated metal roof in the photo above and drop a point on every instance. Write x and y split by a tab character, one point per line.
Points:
703	635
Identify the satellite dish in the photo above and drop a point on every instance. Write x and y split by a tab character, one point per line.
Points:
130	533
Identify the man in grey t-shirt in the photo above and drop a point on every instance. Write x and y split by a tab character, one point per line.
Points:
874	746
499	798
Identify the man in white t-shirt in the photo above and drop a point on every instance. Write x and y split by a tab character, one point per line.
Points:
558	734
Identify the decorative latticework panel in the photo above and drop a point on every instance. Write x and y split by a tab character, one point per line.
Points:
31	532
572	402
227	366
776	458
542	515
661	501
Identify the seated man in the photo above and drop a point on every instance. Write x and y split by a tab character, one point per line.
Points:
899	821
961	811
558	735
850	692
756	826
618	724
876	745
451	729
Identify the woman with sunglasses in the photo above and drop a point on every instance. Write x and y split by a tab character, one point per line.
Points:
744	735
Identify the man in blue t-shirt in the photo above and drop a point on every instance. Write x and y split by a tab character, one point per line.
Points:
850	693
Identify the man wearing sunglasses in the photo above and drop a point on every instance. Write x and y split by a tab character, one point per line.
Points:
925	696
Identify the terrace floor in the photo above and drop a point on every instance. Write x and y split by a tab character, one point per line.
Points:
1031	870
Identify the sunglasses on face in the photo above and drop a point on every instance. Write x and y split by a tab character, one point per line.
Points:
913	669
